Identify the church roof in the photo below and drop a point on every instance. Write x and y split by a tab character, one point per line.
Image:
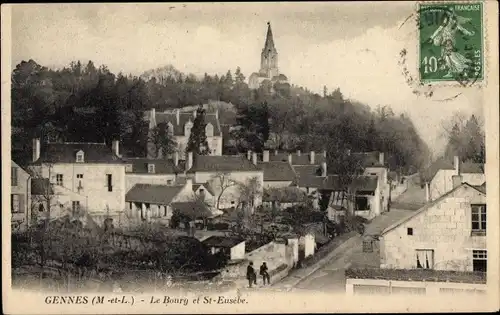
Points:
269	45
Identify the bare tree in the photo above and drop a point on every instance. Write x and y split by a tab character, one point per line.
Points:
223	182
249	191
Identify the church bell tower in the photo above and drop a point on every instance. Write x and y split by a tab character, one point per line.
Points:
269	56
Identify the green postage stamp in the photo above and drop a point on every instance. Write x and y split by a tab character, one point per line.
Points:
451	42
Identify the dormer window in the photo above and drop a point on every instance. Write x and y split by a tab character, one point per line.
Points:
187	128
170	128
80	156
209	130
151	168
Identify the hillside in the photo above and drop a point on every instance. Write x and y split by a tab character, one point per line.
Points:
86	103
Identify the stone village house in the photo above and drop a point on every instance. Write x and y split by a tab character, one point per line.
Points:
448	233
226	176
149	202
20	197
439	176
178	124
81	175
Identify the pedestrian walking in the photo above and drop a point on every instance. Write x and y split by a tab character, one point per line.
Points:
264	273
251	276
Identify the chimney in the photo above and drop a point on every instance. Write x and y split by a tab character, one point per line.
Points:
324	153
152	118
456	164
381	158
216	114
254	158
36	149
176	158
116	147
323	169
194	113
290	158
178	115
265	156
298	152
249	154
457	180
312	156
189	160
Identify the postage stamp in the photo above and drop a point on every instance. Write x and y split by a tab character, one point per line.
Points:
451	42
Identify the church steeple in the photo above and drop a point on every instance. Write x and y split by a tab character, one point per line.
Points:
269	45
269	56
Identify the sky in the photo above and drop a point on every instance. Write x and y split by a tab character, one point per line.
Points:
354	46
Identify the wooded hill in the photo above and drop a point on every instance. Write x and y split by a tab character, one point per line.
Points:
92	104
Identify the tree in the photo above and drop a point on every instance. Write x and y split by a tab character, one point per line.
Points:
162	143
252	127
465	138
197	142
222	182
249	193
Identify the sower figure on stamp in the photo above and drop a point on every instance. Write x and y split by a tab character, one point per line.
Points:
444	36
251	275
264	273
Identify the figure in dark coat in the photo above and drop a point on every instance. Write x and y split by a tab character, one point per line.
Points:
251	276
264	273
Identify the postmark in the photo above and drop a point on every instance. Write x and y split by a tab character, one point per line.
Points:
451	42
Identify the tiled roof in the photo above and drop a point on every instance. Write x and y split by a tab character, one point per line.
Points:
307	170
445	164
155	194
368	159
277	171
40	186
286	194
140	166
66	153
302	159
221	163
308	176
427	206
192	209
360	183
310	181
165	118
206	186
222	241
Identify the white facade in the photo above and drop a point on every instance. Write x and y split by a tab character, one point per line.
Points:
443	182
87	184
442	233
230	197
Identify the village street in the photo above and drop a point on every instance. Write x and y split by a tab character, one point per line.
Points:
329	277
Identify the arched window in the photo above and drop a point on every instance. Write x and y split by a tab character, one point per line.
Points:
80	157
187	128
209	130
170	128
